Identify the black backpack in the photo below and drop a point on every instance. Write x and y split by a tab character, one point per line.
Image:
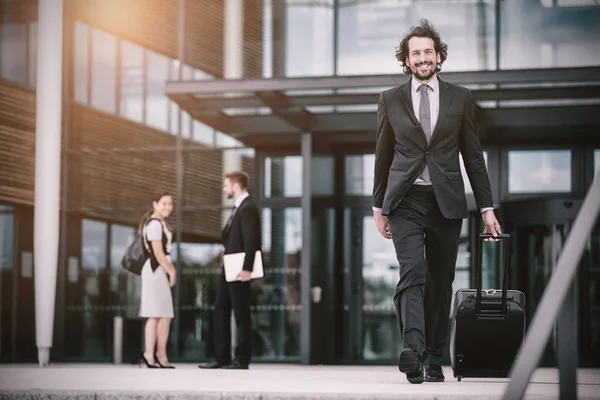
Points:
135	255
138	252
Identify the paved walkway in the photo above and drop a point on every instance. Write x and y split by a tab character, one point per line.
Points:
264	382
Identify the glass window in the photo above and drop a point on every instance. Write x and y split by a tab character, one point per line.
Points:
104	71
369	32
359	174
81	58
33	50
283	176
468	188
322	180
224	140
93	244
539	171
548	34
13	52
132	81
309	38
200	272
120	237
596	160
277	304
203	133
157	103
6	237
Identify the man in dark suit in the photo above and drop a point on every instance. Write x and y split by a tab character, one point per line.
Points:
242	233
419	195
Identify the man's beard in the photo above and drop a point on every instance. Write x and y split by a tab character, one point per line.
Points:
230	195
428	75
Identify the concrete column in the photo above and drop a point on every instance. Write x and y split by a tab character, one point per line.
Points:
47	170
233	68
233	65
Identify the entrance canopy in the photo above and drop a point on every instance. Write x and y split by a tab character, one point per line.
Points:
341	109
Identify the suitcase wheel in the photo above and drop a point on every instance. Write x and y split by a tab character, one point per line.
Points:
459	377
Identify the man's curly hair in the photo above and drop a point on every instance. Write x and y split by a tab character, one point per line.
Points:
425	29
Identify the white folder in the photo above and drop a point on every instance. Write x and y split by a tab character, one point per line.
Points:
234	263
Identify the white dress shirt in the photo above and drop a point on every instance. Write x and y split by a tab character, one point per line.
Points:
434	107
237	202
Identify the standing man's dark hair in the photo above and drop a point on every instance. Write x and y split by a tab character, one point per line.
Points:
426	30
419	196
239	177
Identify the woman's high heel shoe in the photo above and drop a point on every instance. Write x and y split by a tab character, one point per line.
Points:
163	366
143	360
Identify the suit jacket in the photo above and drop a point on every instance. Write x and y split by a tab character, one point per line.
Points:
243	233
402	151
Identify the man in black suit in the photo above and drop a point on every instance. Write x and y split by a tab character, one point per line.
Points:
242	233
419	195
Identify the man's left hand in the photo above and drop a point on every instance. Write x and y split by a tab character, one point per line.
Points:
491	224
244	276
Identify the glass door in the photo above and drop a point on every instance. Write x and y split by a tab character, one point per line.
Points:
539	229
372	271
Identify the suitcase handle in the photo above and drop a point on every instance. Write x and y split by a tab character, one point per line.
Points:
505	240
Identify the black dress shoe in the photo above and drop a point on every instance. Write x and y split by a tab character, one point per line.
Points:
434	373
410	363
236	365
211	365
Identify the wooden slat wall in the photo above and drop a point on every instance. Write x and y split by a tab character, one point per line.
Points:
121	185
116	186
253	38
17	152
153	24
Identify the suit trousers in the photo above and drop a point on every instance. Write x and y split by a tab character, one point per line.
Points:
426	245
234	295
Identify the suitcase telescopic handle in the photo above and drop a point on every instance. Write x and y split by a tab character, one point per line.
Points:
504	238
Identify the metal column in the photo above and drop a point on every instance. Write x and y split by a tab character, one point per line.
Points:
305	266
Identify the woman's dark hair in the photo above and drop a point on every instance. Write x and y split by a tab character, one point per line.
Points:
425	29
146	216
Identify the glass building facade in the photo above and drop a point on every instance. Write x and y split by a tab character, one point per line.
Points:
354	322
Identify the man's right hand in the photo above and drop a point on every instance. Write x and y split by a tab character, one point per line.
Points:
382	225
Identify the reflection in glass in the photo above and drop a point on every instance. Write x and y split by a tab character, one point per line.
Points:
157	103
283	176
93	244
276	300
370	31
322	181
104	71
132	81
380	276
360	172
200	274
539	171
309	38
549	34
13	56
6	278
80	59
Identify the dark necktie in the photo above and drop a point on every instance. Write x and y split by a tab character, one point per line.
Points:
230	217
425	120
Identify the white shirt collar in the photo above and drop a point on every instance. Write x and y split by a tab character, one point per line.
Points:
237	202
434	84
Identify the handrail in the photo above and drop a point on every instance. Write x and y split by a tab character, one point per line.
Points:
554	294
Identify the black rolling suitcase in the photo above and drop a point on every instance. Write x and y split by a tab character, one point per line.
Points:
488	326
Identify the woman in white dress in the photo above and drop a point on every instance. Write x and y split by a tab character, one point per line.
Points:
158	277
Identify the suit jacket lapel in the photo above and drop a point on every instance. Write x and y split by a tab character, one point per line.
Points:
445	100
407	98
227	227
